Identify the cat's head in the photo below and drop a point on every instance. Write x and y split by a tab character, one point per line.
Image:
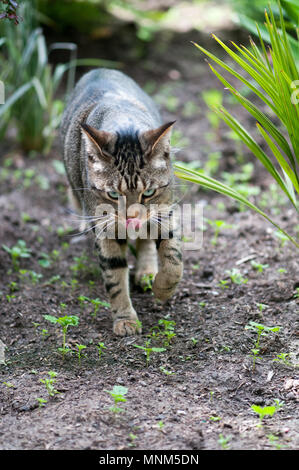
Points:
131	166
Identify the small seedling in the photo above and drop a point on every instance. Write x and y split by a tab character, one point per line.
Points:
17	252
168	331
148	350
223	283
74	283
261	307
261	330
64	322
282	271
282	358
41	402
273	440
80	348
160	425
44	260
97	303
147	282
296	295
282	237
236	277
215	418
132	438
49	383
165	371
263	411
82	301
34	277
218	225
100	347
224	441
52	280
258	266
44	333
9	384
13	286
118	394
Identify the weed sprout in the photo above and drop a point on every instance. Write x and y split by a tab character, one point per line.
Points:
64	322
118	394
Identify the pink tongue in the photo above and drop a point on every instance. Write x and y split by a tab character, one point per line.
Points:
135	223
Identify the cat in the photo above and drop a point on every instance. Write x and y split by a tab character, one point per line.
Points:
117	150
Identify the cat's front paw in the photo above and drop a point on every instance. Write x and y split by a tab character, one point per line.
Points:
126	326
164	288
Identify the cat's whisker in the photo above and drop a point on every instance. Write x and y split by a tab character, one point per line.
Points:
160	224
109	224
98	224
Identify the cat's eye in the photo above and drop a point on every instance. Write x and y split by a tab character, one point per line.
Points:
149	192
113	194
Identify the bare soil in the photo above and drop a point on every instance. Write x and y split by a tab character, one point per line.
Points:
198	393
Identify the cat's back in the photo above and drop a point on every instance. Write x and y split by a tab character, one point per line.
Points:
106	99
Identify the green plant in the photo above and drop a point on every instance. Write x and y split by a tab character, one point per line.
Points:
17	252
10	11
82	300
49	383
41	402
224	441
261	330
31	82
236	277
149	350
274	441
252	12
118	394
296	295
264	411
165	371
218	225
223	283
259	266
147	282
160	425
168	330
97	303
283	359
64	322
80	348
272	77
261	307
100	347
212	98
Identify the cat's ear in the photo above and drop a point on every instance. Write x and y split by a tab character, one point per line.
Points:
96	141
159	137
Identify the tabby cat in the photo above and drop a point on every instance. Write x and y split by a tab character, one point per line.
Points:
117	155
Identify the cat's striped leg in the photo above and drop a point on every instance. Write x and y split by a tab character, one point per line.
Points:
170	270
147	262
113	262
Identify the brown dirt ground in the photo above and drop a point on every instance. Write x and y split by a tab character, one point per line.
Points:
205	403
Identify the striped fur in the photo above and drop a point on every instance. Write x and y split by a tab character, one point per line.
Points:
113	141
